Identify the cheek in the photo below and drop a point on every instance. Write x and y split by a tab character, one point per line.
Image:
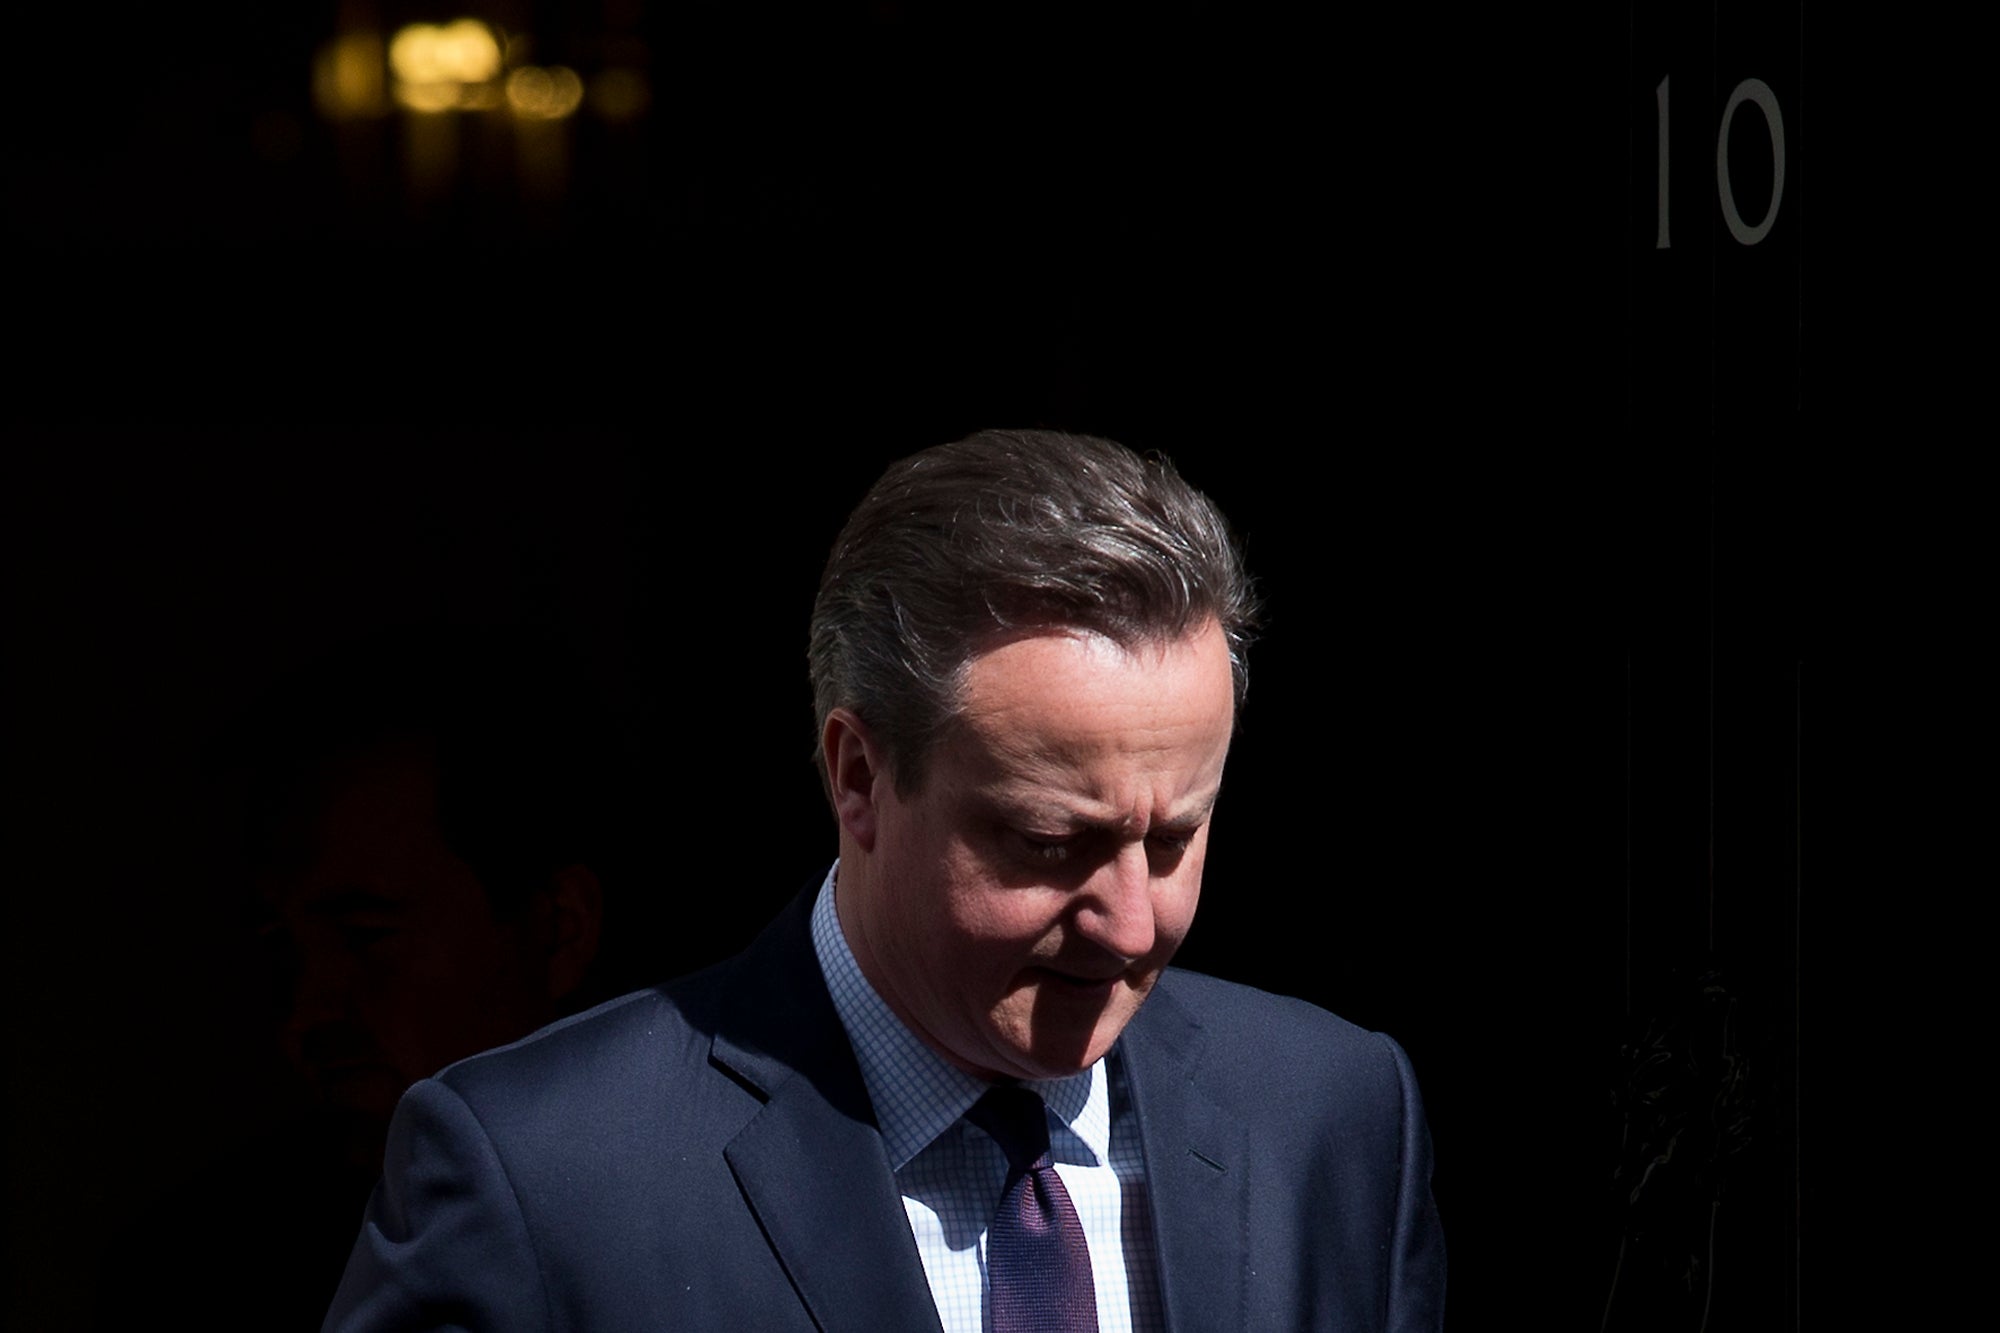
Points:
994	925
1174	911
988	931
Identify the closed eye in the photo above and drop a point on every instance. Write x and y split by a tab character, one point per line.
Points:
1078	850
1051	851
1166	847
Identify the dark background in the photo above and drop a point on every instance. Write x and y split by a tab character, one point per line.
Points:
1545	686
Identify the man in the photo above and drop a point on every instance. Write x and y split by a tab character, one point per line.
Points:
1027	653
425	835
423	858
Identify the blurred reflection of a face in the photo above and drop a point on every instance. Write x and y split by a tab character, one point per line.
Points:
398	961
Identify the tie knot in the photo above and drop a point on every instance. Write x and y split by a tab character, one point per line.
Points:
1016	1120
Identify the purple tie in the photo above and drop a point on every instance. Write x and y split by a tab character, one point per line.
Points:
1037	1261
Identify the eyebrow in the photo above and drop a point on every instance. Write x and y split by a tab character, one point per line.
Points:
1054	815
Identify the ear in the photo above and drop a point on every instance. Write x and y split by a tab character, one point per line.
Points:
854	768
575	923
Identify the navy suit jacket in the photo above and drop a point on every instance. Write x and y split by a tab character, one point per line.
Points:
703	1156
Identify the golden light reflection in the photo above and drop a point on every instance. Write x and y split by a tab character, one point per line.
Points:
544	94
441	66
349	77
427	96
464	51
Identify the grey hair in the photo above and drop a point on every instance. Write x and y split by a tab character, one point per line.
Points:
1007	532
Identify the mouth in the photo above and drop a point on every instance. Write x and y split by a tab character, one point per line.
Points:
1081	984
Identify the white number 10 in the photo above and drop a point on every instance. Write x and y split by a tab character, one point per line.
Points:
1759	94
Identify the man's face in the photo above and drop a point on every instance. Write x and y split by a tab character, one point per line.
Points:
1017	910
400	964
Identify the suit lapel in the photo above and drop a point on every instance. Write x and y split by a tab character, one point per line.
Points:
1197	1168
811	1165
810	1162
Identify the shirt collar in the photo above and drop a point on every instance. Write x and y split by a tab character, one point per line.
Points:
916	1093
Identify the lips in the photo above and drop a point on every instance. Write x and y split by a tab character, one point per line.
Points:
1074	981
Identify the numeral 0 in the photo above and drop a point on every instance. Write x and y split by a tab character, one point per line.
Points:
1759	94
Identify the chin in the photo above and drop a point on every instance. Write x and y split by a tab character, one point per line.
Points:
1029	1068
1052	1055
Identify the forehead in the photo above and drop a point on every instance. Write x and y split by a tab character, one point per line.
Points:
1074	697
367	817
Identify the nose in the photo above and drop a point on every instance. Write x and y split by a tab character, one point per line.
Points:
1115	909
